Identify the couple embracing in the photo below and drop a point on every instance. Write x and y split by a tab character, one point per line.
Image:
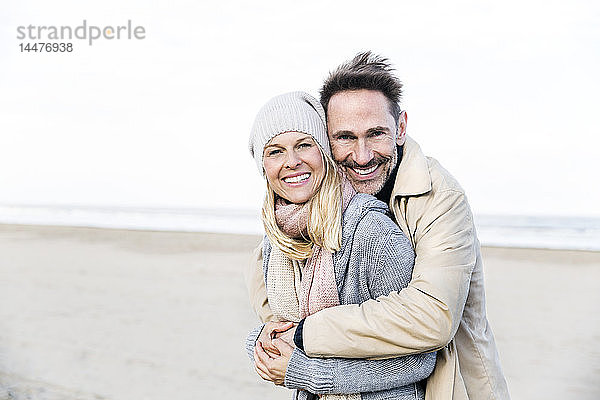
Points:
369	281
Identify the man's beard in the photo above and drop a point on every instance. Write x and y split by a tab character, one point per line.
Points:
373	186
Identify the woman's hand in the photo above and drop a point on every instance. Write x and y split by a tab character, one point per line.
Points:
273	368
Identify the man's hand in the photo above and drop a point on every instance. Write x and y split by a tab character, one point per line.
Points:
269	368
287	336
273	330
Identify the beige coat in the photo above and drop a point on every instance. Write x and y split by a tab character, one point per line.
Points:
443	307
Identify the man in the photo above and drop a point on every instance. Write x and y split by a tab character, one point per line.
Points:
443	308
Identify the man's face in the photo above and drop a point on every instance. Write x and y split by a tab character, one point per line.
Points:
363	137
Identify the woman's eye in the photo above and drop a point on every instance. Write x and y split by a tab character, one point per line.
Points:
305	145
271	153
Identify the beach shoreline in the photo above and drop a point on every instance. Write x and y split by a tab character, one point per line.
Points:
121	314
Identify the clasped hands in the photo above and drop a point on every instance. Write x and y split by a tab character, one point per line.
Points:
273	350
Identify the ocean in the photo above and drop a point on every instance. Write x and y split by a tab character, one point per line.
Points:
546	232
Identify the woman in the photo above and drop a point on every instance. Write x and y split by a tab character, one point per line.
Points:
326	245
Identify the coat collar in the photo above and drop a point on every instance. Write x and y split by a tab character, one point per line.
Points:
413	177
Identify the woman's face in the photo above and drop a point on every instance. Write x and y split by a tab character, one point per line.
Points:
293	166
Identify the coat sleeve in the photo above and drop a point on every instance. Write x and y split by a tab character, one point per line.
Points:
385	255
255	283
421	317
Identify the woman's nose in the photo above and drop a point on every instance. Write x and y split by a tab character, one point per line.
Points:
292	161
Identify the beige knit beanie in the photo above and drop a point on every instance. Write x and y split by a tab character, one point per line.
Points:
290	112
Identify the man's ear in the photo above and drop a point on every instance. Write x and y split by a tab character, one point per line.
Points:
401	138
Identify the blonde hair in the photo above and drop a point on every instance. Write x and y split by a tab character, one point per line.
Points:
324	217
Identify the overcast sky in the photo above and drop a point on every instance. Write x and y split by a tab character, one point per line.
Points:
504	95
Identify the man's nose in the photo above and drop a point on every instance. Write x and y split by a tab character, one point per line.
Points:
292	161
362	153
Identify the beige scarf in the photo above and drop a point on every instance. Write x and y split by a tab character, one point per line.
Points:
295	289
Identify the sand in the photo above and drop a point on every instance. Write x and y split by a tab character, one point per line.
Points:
122	315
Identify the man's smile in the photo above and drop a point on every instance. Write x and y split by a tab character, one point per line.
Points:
366	170
363	173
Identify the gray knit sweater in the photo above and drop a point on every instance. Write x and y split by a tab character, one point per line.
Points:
375	259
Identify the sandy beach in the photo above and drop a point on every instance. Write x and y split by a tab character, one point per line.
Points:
122	315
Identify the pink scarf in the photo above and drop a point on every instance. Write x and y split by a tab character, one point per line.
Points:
318	289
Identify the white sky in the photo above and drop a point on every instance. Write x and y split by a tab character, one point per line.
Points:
505	95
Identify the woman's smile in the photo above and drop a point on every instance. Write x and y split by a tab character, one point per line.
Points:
297	179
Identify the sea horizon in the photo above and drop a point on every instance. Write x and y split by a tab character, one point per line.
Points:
520	231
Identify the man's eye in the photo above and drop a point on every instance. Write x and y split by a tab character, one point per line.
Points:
377	133
344	137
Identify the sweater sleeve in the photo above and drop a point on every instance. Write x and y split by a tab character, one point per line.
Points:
251	341
382	251
346	376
